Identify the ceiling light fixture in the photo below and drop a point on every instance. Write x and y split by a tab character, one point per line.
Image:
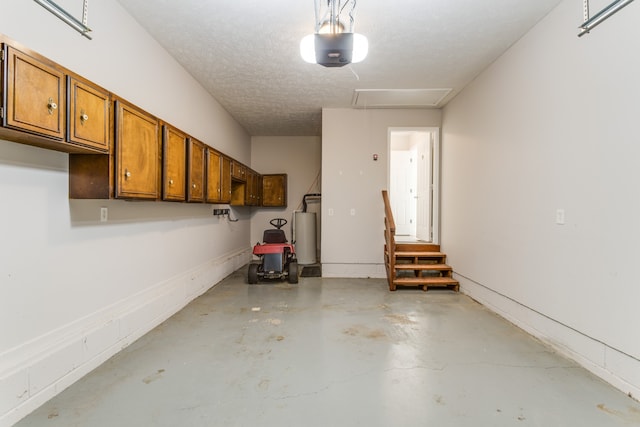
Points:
334	44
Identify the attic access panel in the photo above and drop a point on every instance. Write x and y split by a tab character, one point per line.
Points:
399	98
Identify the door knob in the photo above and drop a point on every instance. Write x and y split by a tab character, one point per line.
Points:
51	106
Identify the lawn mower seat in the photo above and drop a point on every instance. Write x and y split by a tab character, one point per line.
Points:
274	236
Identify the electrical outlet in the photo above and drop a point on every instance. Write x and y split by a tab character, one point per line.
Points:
104	214
560	216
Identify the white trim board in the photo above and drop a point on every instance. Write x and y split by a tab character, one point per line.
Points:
612	366
33	373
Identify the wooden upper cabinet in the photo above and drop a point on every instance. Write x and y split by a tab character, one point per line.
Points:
174	164
258	189
225	180
116	150
137	153
274	190
214	175
45	105
195	171
218	177
238	170
248	196
88	115
253	190
35	98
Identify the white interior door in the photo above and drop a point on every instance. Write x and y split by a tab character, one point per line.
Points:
401	192
413	182
424	185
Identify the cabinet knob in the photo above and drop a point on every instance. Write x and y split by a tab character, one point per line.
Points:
51	106
170	182
83	117
194	185
127	174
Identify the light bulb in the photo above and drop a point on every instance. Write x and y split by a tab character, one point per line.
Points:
308	48
360	48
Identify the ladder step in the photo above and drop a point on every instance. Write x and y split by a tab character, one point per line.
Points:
433	267
417	247
419	254
429	281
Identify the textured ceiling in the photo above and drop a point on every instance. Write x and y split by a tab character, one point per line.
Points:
246	52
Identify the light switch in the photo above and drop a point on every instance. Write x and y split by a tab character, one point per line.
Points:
353	212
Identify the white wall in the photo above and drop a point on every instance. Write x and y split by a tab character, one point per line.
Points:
74	290
352	245
552	125
300	158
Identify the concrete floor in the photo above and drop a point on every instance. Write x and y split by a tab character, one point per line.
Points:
336	352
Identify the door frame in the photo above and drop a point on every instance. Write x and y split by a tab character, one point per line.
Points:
435	173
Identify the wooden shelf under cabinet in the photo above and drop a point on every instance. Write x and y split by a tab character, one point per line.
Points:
90	176
238	191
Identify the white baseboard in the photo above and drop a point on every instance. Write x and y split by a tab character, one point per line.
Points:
616	368
34	372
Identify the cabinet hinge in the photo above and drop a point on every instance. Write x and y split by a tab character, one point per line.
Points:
2	55
1	112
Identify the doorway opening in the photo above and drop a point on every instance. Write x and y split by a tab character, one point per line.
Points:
412	181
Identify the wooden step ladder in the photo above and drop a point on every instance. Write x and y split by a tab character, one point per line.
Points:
414	264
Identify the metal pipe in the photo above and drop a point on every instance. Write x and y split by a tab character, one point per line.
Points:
333	17
602	16
66	16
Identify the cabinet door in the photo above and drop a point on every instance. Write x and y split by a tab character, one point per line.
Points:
238	171
225	180
137	146
214	165
258	189
88	115
174	164
35	95
252	188
195	180
248	197
274	190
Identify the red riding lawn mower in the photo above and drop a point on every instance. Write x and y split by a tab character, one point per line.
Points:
277	258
